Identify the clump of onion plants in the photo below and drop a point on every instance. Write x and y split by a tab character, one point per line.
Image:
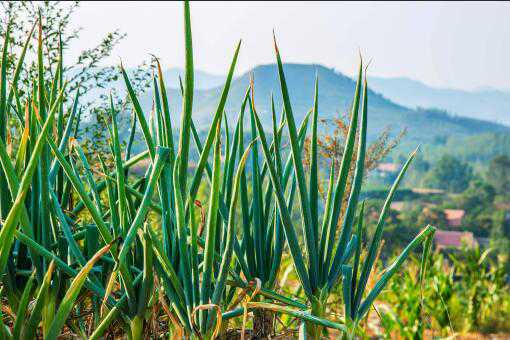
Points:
90	250
329	258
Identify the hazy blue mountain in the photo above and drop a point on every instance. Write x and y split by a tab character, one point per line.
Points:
484	103
335	95
203	80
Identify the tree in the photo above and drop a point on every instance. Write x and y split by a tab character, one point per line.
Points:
500	236
331	146
86	74
477	197
499	174
450	174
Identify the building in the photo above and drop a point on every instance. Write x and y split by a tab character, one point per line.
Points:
454	217
427	191
388	167
397	206
454	239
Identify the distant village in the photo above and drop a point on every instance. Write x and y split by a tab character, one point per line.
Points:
449	236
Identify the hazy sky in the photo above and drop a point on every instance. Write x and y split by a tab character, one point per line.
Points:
461	45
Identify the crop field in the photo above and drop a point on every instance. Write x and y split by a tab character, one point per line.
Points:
157	227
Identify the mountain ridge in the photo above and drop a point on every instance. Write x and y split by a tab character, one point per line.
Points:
335	95
482	103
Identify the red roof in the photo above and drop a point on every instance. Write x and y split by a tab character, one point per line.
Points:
397	206
388	167
444	238
454	216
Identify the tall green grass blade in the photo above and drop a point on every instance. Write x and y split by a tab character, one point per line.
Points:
247	241
43	171
112	202
64	141
258	225
3	85
227	254
66	229
72	293
89	177
279	237
211	229
187	104
290	232
376	240
300	314
166	114
310	240
121	181
148	274
230	164
7	232
22	308
357	256
182	240
347	289
159	162
314	166
204	153
353	198
326	219
19	68
341	182
392	269
139	113
30	327
195	273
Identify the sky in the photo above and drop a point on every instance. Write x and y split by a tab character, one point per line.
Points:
450	45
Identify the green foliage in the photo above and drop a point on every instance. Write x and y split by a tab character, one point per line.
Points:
119	254
86	75
450	174
498	174
479	148
466	291
477	196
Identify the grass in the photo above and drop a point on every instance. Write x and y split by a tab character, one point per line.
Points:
79	254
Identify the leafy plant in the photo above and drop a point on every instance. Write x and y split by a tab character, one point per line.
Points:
326	263
112	253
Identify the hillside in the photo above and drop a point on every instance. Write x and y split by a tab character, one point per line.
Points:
335	95
487	104
203	80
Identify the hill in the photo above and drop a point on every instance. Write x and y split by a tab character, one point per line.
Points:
487	103
335	95
203	80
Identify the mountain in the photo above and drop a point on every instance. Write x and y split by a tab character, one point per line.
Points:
335	95
483	103
203	80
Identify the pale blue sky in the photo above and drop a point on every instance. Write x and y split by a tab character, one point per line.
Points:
461	45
